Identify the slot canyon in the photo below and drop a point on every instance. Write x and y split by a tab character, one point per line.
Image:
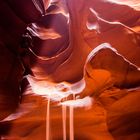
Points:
69	69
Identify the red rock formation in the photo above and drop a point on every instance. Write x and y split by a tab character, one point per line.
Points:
15	16
78	53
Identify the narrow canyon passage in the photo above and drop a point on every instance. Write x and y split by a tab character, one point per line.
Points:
70	70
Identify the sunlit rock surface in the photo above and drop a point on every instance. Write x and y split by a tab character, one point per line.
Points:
70	70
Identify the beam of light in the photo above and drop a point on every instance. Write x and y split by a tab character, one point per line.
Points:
86	102
55	91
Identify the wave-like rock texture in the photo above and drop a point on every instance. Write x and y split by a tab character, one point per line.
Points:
70	69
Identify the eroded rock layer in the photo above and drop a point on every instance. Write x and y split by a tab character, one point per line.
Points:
70	69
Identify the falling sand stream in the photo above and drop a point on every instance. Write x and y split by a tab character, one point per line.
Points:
48	120
69	105
71	123
64	111
64	121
